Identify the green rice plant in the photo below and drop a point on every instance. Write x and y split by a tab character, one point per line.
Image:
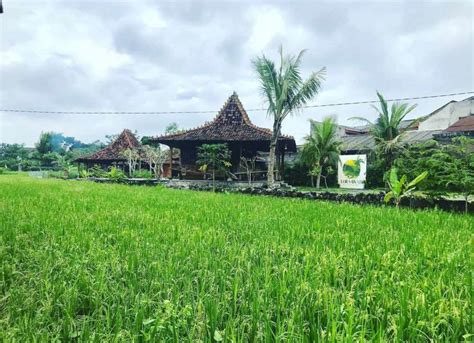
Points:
88	262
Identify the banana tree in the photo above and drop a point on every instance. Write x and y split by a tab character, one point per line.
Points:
401	188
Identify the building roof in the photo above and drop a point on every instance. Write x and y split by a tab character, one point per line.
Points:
367	142
462	125
232	123
113	151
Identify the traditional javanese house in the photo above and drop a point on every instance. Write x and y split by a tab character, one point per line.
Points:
232	126
112	155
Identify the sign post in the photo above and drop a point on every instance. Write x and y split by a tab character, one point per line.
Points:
351	171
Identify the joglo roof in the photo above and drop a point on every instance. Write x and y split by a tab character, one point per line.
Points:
113	152
231	124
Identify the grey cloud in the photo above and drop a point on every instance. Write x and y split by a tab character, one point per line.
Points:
202	54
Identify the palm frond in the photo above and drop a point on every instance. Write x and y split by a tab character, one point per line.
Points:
268	81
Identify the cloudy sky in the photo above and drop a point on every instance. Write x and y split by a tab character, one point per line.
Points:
126	55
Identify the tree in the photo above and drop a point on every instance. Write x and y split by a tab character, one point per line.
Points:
321	148
44	144
401	188
386	129
285	92
213	157
171	129
459	175
133	157
451	166
249	165
155	158
14	156
64	164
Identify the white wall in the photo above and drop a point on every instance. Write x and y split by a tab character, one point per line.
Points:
447	116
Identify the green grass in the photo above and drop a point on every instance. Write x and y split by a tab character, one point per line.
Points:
101	262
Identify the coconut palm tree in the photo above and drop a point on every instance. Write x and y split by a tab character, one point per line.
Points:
286	92
321	148
386	129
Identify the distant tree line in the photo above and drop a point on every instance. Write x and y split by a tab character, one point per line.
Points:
50	152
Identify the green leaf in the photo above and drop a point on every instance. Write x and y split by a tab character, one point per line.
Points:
393	177
388	197
418	179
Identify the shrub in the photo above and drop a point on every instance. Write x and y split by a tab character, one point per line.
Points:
115	173
97	171
142	174
84	174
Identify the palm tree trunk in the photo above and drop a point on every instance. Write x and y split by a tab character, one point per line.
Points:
272	155
318	180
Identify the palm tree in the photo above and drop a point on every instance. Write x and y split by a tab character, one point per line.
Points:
321	148
286	92
386	129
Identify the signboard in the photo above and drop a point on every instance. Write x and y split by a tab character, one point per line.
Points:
351	171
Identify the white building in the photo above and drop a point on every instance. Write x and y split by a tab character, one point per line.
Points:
447	115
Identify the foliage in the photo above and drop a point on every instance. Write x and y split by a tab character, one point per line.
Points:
286	92
44	145
401	188
84	174
387	125
14	156
96	171
143	174
155	158
62	144
451	166
64	165
116	263
296	174
321	148
214	158
386	129
375	171
171	128
115	173
248	164
133	159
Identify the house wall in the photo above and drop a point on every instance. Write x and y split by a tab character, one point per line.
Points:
448	115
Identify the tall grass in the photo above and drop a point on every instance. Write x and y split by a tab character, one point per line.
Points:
92	262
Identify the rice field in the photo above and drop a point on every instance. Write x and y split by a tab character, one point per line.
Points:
92	262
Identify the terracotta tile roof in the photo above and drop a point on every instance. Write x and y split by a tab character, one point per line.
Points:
113	152
462	125
232	123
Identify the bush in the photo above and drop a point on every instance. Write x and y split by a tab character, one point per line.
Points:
446	164
116	173
297	175
97	171
143	174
